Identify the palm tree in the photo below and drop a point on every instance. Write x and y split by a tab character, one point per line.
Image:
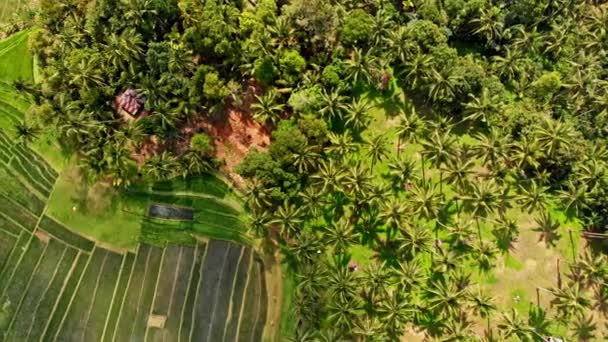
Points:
333	104
356	114
417	69
491	147
513	326
410	128
358	181
425	200
482	305
342	282
485	254
554	136
330	175
489	24
161	167
305	159
394	312
267	110
460	233
445	261
342	313
341	144
508	67
377	150
533	197
259	223
441	87
457	170
583	328
340	236
573	197
538	321
593	269
482	108
376	282
368	328
481	201
570	300
444	298
360	66
547	228
505	230
526	153
289	218
392	213
26	133
402	171
410	275
438	149
414	240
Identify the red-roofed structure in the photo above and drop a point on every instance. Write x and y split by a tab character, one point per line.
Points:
130	104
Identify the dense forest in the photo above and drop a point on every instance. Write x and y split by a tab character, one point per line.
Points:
500	107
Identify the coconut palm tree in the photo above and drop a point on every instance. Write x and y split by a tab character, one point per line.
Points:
506	231
333	104
341	144
402	171
481	201
305	159
425	200
483	107
376	282
377	149
533	197
573	197
259	223
266	109
538	321
547	228
342	313
329	176
289	218
438	149
414	240
457	170
570	300
489	24
395	311
417	69
368	328
26	133
342	282
525	153
513	326
491	147
483	305
358	181
357	114
593	269
392	214
583	328
340	236
441	87
410	128
444	298
161	167
361	66
554	136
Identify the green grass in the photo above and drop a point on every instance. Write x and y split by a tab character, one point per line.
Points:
16	61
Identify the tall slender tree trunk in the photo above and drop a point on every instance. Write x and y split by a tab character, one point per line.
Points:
478	229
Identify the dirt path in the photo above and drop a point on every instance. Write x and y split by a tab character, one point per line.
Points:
274	284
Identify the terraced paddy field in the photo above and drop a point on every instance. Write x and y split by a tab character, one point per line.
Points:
10	7
56	285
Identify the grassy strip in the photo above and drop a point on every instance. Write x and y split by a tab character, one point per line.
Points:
118	297
65	298
61	232
288	324
187	315
224	293
7	241
166	282
218	254
132	300
18	213
263	306
38	285
21	192
73	326
186	269
32	180
21	278
148	291
16	61
24	264
18	250
170	267
251	308
45	307
238	293
161	233
33	159
104	291
10	226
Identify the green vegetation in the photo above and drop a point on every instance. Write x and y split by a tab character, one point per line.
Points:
436	168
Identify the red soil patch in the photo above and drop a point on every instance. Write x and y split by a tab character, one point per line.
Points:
234	136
